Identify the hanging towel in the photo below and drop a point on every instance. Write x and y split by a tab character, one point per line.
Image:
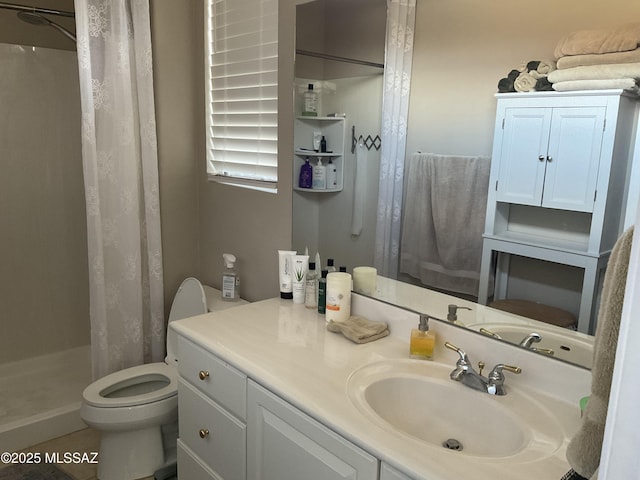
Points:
443	220
583	451
359	190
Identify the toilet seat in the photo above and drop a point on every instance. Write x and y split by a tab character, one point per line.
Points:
133	386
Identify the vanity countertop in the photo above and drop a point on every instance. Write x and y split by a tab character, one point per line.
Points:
287	349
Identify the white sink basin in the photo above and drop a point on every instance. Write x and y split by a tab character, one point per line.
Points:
569	345
417	400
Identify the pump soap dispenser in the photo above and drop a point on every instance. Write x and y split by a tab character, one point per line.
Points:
422	341
230	279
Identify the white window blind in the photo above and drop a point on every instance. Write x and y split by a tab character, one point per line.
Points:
242	92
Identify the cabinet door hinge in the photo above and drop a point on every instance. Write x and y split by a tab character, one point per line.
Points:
595	195
496	185
502	123
604	125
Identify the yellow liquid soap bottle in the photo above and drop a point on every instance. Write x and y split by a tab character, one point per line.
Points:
422	340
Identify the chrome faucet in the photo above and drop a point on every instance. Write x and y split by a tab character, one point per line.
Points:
493	384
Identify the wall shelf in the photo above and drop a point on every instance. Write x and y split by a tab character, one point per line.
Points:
333	129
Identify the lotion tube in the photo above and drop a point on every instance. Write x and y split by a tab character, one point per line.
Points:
285	273
300	265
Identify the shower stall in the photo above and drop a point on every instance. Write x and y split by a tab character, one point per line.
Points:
45	360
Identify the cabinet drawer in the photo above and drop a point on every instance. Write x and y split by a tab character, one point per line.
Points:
191	467
217	379
213	434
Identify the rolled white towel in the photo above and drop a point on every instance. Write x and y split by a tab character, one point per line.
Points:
525	82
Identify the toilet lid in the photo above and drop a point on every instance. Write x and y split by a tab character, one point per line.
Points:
189	301
133	386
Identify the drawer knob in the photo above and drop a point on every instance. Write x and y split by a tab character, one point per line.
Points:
541	158
204	432
203	374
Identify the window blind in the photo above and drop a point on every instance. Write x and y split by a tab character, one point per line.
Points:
242	92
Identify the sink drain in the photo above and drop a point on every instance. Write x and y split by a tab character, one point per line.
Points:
452	444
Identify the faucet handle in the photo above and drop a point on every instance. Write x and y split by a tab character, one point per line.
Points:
496	374
463	356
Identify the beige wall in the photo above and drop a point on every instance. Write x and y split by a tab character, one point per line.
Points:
250	224
176	64
202	220
462	49
44	292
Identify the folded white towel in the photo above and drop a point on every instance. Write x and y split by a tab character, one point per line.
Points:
571	61
606	84
596	72
624	38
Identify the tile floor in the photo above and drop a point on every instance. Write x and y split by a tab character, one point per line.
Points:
86	440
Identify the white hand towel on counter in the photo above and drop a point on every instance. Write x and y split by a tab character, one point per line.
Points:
443	220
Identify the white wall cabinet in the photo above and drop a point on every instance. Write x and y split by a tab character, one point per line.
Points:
333	130
558	188
551	156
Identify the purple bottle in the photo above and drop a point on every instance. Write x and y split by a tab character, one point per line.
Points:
306	175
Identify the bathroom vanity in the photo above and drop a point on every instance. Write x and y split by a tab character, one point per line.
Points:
266	392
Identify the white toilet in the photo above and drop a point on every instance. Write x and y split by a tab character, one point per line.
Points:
136	409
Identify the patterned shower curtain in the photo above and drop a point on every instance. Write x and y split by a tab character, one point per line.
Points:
121	183
401	16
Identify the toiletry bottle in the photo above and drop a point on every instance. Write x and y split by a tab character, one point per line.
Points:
338	302
330	268
317	136
323	144
332	175
230	279
422	341
310	102
322	292
311	289
319	176
306	174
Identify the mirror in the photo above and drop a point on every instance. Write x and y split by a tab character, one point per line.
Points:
461	50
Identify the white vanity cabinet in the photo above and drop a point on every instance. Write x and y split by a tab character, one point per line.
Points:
211	416
558	187
387	472
285	444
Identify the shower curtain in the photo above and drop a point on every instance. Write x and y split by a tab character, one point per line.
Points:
401	16
121	183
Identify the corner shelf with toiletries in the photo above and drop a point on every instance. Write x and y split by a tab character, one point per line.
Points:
321	141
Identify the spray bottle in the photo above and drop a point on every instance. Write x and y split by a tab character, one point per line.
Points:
230	279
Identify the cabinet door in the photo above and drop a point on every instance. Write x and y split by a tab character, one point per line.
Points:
285	444
522	162
573	158
387	472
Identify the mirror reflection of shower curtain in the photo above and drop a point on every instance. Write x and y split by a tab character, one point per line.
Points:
121	183
395	109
